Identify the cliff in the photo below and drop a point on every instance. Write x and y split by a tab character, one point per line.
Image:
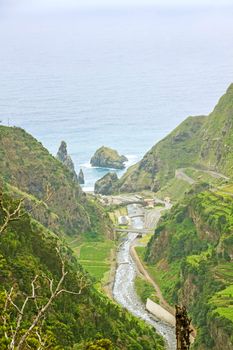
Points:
106	157
65	158
105	185
204	142
53	204
81	179
52	194
192	255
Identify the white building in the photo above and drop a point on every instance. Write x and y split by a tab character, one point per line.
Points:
123	220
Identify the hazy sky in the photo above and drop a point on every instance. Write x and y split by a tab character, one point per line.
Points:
97	3
151	2
8	7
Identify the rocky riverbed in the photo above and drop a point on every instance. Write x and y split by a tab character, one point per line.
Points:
123	290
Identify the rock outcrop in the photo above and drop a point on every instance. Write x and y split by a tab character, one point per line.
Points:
51	195
81	179
105	185
65	158
106	157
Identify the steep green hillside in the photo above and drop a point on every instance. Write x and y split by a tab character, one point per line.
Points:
28	252
51	193
204	141
191	257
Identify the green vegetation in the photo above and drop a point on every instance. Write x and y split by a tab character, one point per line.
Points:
175	189
205	142
202	175
28	249
100	344
27	168
163	274
190	257
57	211
145	290
144	239
95	257
224	302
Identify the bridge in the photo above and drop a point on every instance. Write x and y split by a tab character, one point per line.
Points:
134	230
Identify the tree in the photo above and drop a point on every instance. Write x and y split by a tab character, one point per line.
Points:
13	212
15	334
10	213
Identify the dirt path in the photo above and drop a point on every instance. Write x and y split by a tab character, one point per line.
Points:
180	174
152	217
146	275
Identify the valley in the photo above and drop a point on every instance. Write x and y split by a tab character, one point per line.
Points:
161	237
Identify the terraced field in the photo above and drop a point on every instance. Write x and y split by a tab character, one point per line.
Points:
95	257
224	302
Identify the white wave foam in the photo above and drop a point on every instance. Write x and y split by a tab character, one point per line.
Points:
132	159
86	165
88	188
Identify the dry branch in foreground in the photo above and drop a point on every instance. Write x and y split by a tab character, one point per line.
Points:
16	339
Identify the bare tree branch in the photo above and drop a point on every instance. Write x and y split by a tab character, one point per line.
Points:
17	341
10	214
4	314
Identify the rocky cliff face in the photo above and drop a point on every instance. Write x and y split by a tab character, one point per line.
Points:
108	158
81	179
52	194
65	158
191	252
106	184
204	141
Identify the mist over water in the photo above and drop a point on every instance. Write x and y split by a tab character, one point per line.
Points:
122	77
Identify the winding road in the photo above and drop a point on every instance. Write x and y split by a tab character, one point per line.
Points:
123	290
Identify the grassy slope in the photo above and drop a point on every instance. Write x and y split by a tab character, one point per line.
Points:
145	290
26	249
202	141
26	166
190	256
94	255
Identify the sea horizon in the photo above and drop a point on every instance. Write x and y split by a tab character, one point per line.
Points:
122	78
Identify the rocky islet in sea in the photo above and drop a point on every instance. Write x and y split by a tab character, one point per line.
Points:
106	157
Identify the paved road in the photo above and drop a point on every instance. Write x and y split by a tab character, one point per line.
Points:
215	174
180	174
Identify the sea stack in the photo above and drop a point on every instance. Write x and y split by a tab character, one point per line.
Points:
81	179
106	157
65	158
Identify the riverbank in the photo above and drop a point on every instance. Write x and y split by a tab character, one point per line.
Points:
141	268
124	290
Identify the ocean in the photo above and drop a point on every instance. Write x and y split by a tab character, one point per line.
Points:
119	77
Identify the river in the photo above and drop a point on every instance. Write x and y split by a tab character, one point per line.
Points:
123	290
